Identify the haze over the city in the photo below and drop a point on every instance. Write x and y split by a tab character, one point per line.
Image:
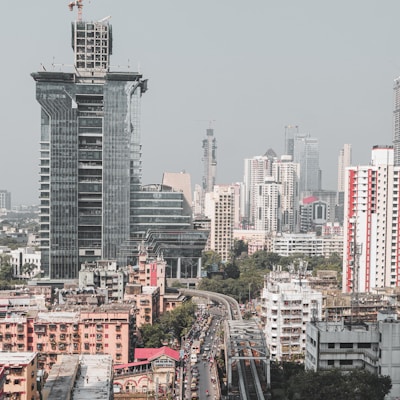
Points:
249	67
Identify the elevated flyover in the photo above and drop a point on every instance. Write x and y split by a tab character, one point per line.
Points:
246	355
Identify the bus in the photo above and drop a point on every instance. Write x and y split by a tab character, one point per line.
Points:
196	347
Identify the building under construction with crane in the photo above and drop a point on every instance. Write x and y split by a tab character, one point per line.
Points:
90	153
93	205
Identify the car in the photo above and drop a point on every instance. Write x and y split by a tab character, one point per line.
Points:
193	386
195	396
207	348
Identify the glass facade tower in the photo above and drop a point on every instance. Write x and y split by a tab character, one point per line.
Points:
90	154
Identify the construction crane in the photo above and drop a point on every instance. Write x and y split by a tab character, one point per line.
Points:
79	5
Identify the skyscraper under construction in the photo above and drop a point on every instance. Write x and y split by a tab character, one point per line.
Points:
90	153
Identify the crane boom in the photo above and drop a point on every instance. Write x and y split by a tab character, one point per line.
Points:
79	5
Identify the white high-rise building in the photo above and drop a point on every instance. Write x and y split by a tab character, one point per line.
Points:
220	209
276	199
287	172
396	121
267	203
371	225
256	169
288	303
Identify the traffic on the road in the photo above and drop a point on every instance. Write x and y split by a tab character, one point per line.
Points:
201	349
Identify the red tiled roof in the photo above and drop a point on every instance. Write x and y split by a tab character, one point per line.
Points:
153	353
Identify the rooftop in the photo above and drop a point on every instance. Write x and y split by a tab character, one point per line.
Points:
24	358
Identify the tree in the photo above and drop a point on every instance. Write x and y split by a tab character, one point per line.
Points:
240	247
232	270
6	269
336	385
210	257
28	268
171	325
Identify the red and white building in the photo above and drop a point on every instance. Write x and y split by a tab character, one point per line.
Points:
371	256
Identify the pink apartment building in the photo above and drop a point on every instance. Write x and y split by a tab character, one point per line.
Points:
106	330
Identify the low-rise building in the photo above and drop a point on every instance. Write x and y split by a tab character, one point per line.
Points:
371	346
109	329
20	371
308	244
80	377
153	371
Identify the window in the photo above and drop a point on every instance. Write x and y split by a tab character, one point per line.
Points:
331	362
346	362
364	345
331	345
346	345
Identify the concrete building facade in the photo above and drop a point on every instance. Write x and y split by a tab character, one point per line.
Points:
308	244
219	208
371	346
90	154
371	224
288	304
20	372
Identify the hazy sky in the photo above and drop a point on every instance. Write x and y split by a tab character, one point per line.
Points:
253	66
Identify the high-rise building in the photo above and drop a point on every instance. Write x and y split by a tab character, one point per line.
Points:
219	208
288	303
256	169
344	161
5	200
267	202
290	132
90	154
286	172
396	121
209	161
371	224
271	192
306	153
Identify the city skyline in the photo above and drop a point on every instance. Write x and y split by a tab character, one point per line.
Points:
328	71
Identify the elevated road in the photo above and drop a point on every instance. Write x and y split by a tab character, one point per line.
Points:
246	355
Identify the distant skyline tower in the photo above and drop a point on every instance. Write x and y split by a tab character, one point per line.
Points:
290	132
5	200
209	161
90	154
344	161
306	153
